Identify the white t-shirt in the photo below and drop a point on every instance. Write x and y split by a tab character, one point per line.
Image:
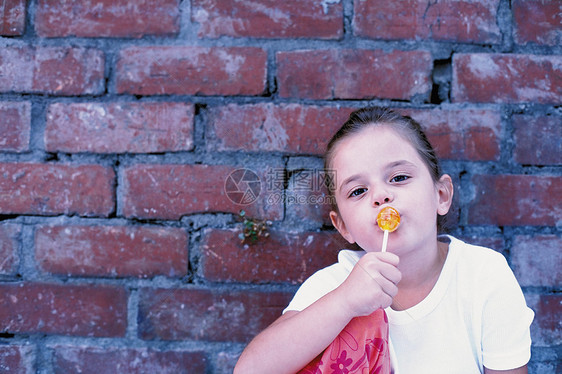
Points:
474	316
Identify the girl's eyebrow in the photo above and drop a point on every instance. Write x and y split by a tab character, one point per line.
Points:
349	180
400	163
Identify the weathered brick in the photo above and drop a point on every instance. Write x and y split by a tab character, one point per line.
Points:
15	126
171	191
17	359
460	21
211	315
461	134
537	260
354	74
548	366
515	200
509	78
537	139
46	189
192	71
537	21
457	134
106	18
85	310
288	128
12	20
9	247
546	329
95	360
306	195
269	19
282	257
225	362
117	251
119	127
52	70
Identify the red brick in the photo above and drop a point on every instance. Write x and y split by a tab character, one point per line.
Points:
457	134
95	360
516	200
208	315
192	71
537	139
546	329
106	18
52	70
459	21
17	359
15	126
354	74
537	260
85	310
119	127
288	128
282	257
269	19
112	250
537	21
461	134
12	20
509	78
28	188
171	191
9	248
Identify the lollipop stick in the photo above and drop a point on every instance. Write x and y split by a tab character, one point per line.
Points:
384	241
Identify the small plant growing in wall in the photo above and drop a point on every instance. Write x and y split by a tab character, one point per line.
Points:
252	229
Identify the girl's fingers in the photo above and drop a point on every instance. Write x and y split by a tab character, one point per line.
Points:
375	264
372	283
391	273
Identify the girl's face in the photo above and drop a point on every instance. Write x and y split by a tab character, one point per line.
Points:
376	168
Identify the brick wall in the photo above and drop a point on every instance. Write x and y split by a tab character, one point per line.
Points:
124	126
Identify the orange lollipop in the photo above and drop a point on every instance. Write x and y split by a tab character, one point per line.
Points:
388	220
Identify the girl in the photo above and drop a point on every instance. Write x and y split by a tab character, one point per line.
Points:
452	307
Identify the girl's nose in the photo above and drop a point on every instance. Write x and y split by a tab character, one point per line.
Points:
384	197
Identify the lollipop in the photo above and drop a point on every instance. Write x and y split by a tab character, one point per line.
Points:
388	220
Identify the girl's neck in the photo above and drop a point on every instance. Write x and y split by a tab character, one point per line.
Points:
420	271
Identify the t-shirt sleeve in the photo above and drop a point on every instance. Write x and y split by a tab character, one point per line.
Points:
319	284
506	319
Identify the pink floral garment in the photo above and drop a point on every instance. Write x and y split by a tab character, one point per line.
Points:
361	348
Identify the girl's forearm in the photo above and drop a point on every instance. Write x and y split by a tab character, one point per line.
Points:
295	339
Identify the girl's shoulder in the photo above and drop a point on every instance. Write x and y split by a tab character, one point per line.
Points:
479	264
324	280
474	253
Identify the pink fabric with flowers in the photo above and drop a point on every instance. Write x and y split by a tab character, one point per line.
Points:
361	347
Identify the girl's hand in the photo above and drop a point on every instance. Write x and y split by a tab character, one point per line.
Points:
371	284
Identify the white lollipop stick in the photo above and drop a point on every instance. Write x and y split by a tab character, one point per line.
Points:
384	241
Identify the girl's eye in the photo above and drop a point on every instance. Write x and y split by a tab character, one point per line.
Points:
400	178
357	192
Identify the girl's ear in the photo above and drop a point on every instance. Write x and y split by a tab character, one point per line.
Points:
339	224
445	194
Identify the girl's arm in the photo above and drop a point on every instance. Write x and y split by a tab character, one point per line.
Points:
296	338
521	370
